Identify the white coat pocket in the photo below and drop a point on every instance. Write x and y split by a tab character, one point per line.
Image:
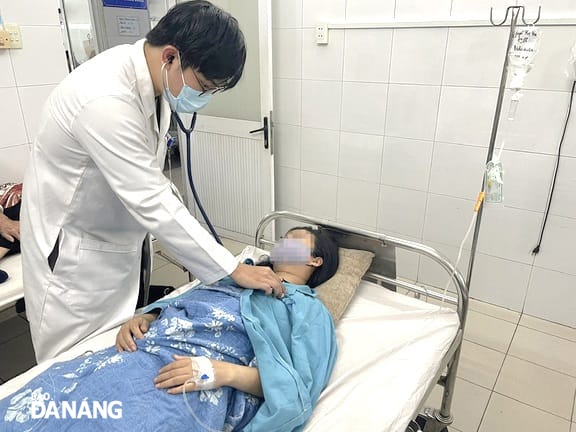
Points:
104	289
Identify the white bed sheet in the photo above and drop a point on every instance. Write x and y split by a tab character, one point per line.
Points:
13	288
390	347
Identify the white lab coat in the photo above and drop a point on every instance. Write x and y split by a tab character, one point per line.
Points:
95	186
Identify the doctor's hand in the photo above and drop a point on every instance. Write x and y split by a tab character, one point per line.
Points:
261	278
136	327
9	229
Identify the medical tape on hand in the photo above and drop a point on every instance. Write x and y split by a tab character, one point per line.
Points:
203	373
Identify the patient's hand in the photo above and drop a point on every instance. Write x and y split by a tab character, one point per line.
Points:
136	327
174	376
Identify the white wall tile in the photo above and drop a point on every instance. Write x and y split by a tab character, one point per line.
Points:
557	251
364	107
418	56
551	295
549	69
44	47
550	9
447	219
499	281
431	273
322	62
564	199
466	115
360	156
30	12
475	56
13	163
319	195
479	9
509	233
369	10
11	120
457	170
286	13
527	179
287	53
33	100
288	188
357	202
358	66
320	150
288	101
323	11
538	123
321	104
287	139
6	72
406	163
409	10
407	262
401	210
569	145
412	111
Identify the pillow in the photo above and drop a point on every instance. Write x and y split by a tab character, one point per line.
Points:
337	292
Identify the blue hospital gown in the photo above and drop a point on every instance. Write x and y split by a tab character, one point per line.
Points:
203	322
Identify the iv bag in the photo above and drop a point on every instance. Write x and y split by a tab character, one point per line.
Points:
571	70
494	182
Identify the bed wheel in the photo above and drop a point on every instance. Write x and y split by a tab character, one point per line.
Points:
419	425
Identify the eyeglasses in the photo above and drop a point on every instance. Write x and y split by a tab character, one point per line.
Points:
210	91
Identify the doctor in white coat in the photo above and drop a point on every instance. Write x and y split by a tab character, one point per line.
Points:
95	187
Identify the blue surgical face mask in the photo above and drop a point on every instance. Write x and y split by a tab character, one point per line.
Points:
189	100
290	251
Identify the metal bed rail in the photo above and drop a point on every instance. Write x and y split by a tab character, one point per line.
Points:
383	271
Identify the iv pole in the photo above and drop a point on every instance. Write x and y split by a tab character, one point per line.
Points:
517	12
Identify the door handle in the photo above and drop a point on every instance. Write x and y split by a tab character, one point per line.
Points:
266	131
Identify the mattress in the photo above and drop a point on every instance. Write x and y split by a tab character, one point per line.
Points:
390	348
12	289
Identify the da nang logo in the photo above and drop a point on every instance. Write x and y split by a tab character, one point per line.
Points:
43	407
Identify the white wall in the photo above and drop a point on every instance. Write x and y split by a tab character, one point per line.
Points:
388	130
27	76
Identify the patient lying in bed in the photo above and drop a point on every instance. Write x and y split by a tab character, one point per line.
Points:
270	359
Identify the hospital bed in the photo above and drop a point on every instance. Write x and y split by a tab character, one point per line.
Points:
393	348
13	289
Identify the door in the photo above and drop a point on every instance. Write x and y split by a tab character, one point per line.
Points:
232	167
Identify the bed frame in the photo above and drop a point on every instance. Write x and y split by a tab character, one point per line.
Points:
383	272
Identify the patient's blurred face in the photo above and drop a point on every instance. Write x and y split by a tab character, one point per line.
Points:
307	240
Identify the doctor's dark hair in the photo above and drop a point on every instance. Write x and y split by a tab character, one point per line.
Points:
208	38
325	247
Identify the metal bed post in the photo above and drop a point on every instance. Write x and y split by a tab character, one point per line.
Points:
434	420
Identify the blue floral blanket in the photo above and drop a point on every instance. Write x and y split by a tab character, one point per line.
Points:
114	391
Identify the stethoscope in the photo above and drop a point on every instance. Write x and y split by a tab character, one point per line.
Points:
188	132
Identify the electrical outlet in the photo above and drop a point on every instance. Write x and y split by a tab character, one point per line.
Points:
322	34
15	35
4	39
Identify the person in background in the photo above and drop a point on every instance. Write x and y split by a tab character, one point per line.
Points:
10	197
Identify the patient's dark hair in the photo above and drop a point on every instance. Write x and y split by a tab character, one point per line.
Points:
208	38
326	248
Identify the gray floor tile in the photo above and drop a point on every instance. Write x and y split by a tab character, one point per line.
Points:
12	328
16	356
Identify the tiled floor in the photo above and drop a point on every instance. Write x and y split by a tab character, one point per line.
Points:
517	373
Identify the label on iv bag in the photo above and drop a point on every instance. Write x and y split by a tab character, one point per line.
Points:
522	52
